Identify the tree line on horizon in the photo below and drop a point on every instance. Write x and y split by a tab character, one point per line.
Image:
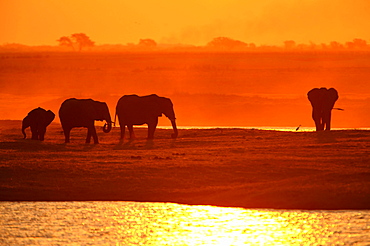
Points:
81	42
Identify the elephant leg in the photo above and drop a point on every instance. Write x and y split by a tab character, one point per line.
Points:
122	127
34	133
151	128
88	138
67	132
319	125
41	133
92	132
317	118
326	119
131	131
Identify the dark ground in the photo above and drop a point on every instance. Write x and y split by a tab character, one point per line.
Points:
223	167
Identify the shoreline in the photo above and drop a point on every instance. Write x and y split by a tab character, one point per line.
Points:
266	128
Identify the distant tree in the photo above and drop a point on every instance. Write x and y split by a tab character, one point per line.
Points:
226	43
82	40
335	45
252	45
357	43
147	43
77	39
289	44
312	46
350	45
65	41
360	43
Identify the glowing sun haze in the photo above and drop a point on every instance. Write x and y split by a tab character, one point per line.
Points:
270	22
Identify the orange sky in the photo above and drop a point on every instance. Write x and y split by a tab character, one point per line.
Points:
270	22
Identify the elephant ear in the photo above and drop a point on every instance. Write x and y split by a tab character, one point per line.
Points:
167	108
331	98
88	108
156	109
26	122
314	96
49	117
152	105
333	94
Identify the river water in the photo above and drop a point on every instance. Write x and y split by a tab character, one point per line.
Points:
134	223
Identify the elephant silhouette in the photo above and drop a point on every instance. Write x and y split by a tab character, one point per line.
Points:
322	101
37	119
138	110
82	113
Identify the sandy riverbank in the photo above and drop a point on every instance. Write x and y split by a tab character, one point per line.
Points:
226	167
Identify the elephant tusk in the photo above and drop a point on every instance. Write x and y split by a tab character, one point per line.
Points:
341	109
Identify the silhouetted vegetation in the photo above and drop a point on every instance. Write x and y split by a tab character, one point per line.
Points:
80	41
226	43
147	43
65	41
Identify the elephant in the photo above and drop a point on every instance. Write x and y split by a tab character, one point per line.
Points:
37	119
322	101
82	113
138	110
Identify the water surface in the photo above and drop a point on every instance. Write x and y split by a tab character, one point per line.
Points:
133	223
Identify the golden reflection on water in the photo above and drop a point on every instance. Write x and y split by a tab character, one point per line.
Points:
223	226
132	223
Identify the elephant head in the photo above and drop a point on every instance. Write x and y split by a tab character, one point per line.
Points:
322	101
166	107
102	113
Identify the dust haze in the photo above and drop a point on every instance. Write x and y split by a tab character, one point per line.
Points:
267	22
207	89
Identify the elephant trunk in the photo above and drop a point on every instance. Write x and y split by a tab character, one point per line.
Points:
106	116
175	132
24	133
107	127
25	124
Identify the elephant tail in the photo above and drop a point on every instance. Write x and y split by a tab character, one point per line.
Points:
115	118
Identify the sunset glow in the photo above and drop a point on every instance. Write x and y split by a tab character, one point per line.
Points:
186	122
227	89
267	22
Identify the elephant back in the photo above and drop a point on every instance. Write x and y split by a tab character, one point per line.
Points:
83	112
138	109
75	110
37	111
41	115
